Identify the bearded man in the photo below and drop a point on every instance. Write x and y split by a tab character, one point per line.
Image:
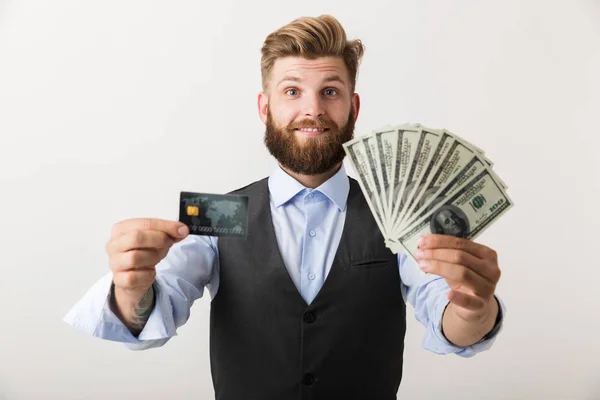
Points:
312	305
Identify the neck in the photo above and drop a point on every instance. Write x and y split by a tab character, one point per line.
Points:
313	181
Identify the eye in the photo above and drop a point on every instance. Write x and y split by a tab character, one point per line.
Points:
292	92
330	92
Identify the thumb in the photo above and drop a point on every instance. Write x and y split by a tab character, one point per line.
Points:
180	231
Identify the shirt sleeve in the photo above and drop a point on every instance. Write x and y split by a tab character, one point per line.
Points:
190	266
429	297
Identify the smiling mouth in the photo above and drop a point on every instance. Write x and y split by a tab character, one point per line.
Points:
312	130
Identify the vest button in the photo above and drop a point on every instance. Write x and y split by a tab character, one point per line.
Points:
308	379
309	317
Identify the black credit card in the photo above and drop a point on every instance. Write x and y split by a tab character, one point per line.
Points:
214	214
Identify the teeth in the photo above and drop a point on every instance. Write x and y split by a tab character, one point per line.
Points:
312	129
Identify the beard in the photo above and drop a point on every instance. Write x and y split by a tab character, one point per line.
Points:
317	154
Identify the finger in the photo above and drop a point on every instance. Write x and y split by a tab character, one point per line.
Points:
452	242
460	276
134	259
465	300
151	224
139	239
481	267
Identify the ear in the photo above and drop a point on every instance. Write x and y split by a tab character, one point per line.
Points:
355	105
263	105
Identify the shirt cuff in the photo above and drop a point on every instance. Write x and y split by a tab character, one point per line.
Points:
441	345
93	315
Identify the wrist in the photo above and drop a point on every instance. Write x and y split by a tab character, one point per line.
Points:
127	296
497	315
466	328
481	317
490	312
132	307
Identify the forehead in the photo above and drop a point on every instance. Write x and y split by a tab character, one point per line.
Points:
309	70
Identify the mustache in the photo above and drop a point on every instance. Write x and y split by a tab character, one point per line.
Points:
323	123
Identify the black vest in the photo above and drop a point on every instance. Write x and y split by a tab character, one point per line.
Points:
266	343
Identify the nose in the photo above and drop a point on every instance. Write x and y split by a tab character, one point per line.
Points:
313	106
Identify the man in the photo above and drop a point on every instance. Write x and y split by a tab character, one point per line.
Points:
312	304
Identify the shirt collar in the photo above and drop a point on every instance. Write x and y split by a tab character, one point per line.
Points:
283	187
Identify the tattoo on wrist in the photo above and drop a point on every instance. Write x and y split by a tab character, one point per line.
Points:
142	310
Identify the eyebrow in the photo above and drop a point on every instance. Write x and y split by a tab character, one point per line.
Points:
331	78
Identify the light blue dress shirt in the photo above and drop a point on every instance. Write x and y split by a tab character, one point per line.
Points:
308	226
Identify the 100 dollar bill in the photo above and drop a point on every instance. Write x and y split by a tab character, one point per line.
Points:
368	181
473	167
466	214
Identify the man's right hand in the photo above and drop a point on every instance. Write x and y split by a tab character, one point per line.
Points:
135	248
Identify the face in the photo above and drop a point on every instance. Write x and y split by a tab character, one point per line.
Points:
450	223
309	112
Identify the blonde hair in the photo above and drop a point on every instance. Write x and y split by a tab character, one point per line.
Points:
311	37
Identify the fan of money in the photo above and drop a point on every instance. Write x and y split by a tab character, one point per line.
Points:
419	180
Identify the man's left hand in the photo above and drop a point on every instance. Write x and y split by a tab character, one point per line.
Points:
470	269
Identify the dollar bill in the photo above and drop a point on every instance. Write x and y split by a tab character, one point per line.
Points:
357	153
386	140
430	172
377	166
408	140
476	149
426	148
473	167
465	214
466	142
457	156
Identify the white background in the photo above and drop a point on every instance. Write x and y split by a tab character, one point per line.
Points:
109	109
